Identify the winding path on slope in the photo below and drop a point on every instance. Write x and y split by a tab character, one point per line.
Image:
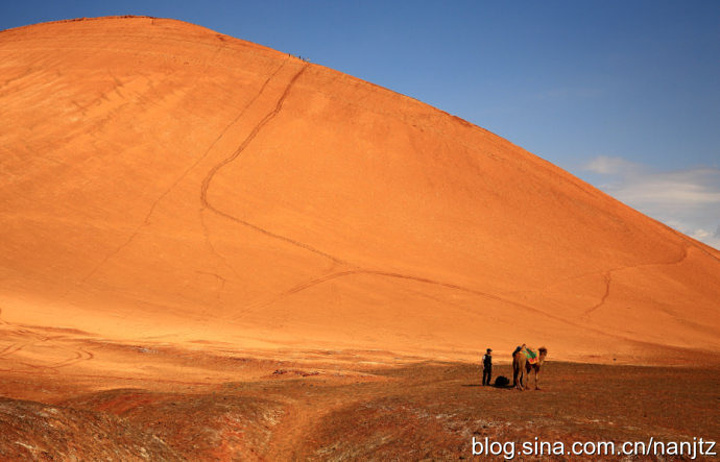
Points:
236	154
29	338
608	277
349	269
180	178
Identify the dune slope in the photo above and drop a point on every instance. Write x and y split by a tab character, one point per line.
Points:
161	180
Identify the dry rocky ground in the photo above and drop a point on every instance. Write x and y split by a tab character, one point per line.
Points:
411	411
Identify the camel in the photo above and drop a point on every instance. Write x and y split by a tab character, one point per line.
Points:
523	367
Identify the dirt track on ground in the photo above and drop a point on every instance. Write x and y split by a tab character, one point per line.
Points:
306	411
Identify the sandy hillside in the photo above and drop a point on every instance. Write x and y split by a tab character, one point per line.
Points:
162	182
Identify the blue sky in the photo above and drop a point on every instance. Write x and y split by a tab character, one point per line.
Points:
624	94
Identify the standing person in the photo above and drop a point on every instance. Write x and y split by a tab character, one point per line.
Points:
487	367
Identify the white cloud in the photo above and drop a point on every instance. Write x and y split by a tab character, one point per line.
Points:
687	200
605	165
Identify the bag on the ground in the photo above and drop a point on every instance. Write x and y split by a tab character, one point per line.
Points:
502	381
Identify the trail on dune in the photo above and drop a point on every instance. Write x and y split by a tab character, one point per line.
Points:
180	178
251	136
29	339
353	269
525	307
608	277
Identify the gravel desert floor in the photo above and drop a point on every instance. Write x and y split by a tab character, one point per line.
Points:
345	405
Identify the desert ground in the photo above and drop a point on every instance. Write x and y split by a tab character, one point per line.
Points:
99	400
211	250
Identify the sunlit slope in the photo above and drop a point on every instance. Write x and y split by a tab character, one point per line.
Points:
160	179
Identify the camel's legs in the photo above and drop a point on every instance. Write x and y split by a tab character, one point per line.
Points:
518	376
522	380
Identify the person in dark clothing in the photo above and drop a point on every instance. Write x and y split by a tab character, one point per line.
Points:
519	348
487	367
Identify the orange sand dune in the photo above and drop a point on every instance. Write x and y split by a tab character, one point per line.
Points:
162	182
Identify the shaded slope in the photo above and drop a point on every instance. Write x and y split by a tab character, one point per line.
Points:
162	179
34	431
